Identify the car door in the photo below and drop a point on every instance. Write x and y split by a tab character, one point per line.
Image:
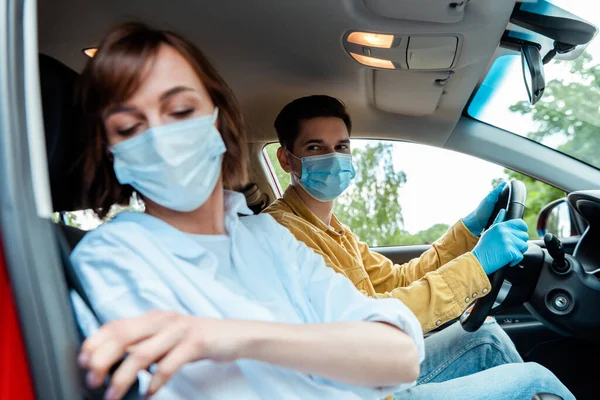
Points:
44	333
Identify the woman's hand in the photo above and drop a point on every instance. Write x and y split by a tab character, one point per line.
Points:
166	338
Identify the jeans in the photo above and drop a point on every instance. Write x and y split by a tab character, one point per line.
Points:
480	365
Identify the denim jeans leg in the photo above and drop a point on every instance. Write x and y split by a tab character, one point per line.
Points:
519	381
454	353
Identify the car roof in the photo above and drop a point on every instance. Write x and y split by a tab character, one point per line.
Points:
271	52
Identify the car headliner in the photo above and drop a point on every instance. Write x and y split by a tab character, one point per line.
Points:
271	52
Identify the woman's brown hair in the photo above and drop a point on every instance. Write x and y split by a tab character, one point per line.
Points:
112	76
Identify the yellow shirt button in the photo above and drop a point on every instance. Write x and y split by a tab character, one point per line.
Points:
438	322
484	290
474	295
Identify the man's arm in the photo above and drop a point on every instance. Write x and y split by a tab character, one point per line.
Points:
437	286
442	295
387	276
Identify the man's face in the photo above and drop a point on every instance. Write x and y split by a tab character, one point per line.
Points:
318	136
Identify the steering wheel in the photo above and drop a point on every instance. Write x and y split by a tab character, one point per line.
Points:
512	199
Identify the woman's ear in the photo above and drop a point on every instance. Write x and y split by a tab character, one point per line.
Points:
284	160
109	155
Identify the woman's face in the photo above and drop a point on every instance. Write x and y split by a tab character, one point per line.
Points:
170	92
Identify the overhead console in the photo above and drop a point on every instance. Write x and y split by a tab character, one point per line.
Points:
419	66
395	51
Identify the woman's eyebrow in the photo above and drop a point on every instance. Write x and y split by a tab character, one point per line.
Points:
119	109
172	92
128	109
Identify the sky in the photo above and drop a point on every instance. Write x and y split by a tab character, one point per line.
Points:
442	185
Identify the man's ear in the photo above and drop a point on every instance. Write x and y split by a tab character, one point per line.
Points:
284	160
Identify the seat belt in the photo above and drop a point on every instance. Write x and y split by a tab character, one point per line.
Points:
73	283
255	199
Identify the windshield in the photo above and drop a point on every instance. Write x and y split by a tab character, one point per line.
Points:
567	118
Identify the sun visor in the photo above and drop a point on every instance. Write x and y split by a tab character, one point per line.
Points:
440	11
408	92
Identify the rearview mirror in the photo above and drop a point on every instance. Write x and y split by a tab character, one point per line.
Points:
533	72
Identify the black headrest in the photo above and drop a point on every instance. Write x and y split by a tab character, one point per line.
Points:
63	145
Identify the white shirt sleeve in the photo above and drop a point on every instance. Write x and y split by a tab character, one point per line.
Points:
335	299
116	275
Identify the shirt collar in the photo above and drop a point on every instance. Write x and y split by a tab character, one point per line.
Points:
298	207
235	203
180	243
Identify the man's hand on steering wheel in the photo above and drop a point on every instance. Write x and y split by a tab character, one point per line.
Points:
477	220
503	244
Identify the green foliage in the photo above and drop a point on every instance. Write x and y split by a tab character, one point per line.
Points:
432	234
71	220
569	107
539	195
282	176
87	219
371	206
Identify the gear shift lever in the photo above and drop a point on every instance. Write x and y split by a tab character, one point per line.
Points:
557	251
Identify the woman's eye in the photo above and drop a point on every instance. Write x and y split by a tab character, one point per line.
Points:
182	113
128	131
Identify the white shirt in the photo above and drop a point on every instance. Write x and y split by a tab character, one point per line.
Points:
136	263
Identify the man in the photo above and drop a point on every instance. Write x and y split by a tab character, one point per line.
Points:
314	133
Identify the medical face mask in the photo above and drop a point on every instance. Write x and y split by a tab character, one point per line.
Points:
326	176
175	165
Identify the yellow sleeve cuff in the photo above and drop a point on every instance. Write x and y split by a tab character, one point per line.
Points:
466	278
470	238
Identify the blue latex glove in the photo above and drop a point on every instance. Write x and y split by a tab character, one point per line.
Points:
477	220
503	244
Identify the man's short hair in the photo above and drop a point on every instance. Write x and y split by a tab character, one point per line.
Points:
287	123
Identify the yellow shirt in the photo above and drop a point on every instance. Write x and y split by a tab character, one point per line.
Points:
438	286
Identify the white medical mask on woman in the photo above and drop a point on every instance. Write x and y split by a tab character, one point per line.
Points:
175	165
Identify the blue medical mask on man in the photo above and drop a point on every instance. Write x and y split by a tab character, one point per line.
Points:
326	176
176	165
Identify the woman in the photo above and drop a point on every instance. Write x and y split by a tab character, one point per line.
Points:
244	310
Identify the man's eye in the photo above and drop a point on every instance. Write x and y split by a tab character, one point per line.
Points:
182	113
343	147
313	148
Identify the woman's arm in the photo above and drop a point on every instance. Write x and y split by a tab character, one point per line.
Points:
358	353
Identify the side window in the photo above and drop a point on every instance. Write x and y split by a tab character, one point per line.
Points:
88	220
406	193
